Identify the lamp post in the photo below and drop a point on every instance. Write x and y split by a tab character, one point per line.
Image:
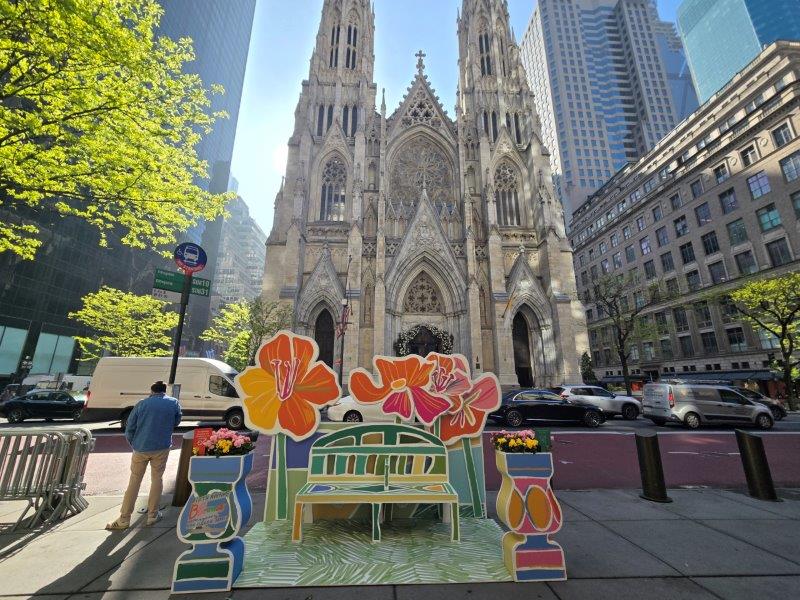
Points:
342	329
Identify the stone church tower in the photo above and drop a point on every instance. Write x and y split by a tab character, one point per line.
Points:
441	234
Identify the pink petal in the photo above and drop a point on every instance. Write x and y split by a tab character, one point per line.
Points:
485	393
398	403
427	405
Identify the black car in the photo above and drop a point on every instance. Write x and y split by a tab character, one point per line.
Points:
775	407
42	404
519	406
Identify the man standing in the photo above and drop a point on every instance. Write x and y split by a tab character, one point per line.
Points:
149	432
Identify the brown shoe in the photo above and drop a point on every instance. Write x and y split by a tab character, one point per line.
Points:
119	525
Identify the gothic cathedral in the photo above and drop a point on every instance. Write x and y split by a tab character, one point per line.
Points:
430	233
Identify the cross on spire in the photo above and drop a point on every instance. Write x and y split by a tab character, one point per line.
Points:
420	61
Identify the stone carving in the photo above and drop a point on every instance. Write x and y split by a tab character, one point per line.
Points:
420	163
421	110
422	296
425	237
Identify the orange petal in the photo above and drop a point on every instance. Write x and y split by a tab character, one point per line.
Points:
420	375
305	350
364	390
387	369
277	348
319	385
297	417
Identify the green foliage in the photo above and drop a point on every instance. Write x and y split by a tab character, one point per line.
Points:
98	121
587	370
124	324
240	329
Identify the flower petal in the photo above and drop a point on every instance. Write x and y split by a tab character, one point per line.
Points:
279	347
466	423
419	372
297	417
261	403
364	390
305	350
398	403
485	393
388	370
255	380
319	386
427	405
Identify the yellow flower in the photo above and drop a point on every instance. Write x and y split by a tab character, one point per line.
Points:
529	443
501	440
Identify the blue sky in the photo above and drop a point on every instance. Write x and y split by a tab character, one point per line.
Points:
280	49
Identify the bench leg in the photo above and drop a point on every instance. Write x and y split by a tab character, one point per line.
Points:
445	510
387	513
454	524
376	522
297	523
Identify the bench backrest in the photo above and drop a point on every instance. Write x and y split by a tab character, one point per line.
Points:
378	453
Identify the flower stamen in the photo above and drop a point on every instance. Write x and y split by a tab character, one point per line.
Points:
286	374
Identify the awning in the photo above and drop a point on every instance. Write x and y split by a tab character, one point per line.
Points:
621	379
746	375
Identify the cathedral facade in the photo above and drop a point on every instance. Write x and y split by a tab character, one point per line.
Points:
428	233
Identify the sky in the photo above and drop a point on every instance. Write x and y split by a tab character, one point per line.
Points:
280	49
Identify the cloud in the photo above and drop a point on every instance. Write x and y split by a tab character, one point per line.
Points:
280	154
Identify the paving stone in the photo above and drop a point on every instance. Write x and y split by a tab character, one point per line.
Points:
615	505
789	508
778	537
666	588
707	504
746	588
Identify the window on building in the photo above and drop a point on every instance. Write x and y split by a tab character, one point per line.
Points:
681	226
749	155
759	185
728	310
779	253
644	244
648	350
662	237
638	298
657	214
746	263
769	341
352	44
703	214
662	325
721	173
791	166
333	61
666	349
727	201
737	232
605	267
687	349
626	232
641	223
710	243
650	269
506	195
603	247
680	319
630	254
667	264
702	314
717	272
693	281
736	339
697	188
617	257
782	135
796	204
484	45
332	199
672	287
687	253
675	201
593	272
614	239
709	342
768	217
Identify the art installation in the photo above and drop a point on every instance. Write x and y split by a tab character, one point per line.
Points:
393	502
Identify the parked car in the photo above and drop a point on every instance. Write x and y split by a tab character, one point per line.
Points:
694	405
520	406
775	407
612	404
348	410
43	404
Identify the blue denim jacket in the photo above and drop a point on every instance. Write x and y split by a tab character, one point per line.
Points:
151	423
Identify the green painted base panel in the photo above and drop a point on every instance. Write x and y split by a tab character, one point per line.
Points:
342	553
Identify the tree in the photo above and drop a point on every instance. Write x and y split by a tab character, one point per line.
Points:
98	121
774	306
124	324
612	295
240	329
587	369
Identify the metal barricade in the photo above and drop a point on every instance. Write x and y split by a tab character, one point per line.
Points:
44	467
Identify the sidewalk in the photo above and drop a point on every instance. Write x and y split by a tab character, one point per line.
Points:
706	544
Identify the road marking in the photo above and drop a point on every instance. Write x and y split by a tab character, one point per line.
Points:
683	453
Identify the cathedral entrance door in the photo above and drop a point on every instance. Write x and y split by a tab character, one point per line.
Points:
424	343
323	335
522	351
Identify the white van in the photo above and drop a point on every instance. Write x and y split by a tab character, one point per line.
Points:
207	389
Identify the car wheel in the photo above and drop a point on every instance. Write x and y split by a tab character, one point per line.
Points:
123	420
692	420
777	413
352	416
658	421
76	415
16	416
763	421
514	418
234	419
630	412
592	419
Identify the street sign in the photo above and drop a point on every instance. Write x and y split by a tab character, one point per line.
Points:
190	257
172	281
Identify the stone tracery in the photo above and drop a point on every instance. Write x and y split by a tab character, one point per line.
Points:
422	296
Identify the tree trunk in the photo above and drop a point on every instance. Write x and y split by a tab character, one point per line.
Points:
787	381
623	359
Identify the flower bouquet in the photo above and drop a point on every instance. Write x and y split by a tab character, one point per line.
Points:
225	442
515	441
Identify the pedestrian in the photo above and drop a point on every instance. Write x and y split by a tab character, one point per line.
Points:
149	432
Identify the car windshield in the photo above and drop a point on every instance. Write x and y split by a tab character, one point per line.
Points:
750	394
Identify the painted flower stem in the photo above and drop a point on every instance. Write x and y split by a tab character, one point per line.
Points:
281	484
477	507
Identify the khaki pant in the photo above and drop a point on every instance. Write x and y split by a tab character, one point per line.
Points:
139	461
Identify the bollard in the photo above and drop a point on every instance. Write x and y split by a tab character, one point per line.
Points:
756	467
183	489
653	486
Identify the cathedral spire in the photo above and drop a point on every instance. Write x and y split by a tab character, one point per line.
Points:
345	41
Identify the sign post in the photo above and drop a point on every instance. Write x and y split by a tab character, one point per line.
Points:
191	258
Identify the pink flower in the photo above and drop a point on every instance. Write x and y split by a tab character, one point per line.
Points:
237	443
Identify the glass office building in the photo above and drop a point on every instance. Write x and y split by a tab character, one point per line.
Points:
722	36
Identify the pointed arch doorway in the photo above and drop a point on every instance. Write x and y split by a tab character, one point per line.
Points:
324	336
523	365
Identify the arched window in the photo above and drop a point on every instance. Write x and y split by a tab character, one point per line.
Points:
485	48
321	120
508	123
503	54
517	129
494	126
345	118
486	123
352	44
334	59
422	296
353	120
506	195
334	179
324	336
330	117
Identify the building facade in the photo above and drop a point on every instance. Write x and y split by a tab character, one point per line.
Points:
715	202
722	36
609	80
442	233
240	266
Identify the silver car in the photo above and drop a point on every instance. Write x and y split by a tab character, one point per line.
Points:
612	404
694	405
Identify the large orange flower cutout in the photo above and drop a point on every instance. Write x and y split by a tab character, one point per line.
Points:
284	392
402	388
467	417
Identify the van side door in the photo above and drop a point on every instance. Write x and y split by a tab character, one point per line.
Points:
737	406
